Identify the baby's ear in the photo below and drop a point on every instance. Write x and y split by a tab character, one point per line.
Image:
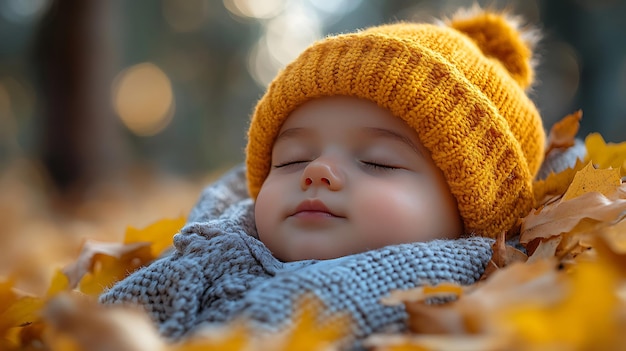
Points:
502	36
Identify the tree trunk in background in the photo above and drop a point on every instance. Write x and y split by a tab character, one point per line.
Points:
81	139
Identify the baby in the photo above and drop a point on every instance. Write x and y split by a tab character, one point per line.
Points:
378	160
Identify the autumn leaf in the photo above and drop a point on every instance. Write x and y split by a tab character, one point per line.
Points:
473	311
595	198
555	184
615	237
311	332
545	249
100	264
106	269
589	179
441	342
159	234
587	318
84	324
581	215
606	155
233	337
422	293
503	255
15	310
563	133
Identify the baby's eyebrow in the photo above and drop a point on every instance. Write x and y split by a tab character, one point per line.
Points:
290	133
387	133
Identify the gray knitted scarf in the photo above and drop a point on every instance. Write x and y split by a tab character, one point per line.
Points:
220	271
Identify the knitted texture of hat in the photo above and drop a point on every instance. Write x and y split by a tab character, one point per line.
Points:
460	85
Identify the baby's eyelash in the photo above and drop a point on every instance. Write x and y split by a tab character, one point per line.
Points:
378	166
290	163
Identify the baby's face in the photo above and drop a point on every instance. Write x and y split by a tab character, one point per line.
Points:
346	177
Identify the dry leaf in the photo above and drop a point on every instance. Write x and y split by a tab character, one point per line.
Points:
589	179
615	236
546	249
93	258
313	329
422	293
606	155
585	318
563	216
159	234
90	326
503	255
16	309
555	184
107	269
413	342
472	313
563	133
233	337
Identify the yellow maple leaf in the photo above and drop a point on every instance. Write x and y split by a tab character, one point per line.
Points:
606	155
605	181
555	184
159	234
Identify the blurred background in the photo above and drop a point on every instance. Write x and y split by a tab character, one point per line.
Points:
119	112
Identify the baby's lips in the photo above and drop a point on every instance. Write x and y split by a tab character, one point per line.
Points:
313	205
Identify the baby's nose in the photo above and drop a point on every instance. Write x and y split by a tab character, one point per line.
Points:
322	173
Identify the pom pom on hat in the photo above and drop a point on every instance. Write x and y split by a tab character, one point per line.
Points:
501	36
459	86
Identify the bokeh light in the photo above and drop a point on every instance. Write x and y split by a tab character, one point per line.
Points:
255	8
285	37
143	99
23	11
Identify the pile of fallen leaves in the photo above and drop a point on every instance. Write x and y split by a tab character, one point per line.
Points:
566	290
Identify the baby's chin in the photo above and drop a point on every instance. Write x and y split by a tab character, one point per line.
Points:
312	252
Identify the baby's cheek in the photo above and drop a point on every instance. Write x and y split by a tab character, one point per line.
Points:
389	217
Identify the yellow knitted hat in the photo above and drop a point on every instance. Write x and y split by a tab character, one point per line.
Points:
460	85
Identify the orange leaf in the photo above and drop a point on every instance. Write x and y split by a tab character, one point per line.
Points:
159	234
92	250
107	270
606	155
563	133
588	179
555	184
